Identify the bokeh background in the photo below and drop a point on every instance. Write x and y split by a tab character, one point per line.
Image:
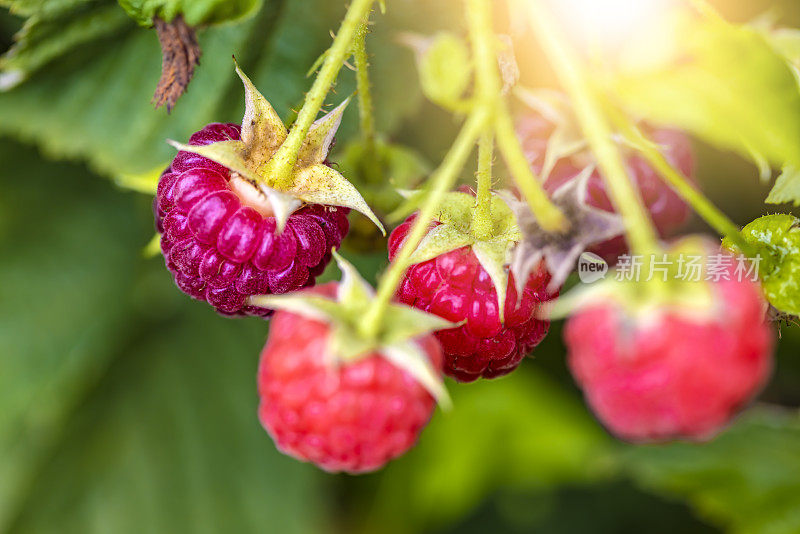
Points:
126	407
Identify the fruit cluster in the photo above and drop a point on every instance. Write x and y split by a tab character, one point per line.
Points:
250	216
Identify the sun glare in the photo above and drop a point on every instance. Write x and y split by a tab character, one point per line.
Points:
609	22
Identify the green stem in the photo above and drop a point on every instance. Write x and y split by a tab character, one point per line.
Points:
487	85
441	181
482	214
283	161
479	21
548	215
624	195
366	114
675	178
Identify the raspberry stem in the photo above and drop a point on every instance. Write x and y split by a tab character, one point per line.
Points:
280	166
482	213
675	178
441	181
487	76
639	229
365	107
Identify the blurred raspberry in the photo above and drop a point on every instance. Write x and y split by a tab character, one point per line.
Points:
667	210
666	373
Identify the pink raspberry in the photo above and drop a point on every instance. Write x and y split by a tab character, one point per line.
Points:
668	373
667	210
351	417
455	286
220	249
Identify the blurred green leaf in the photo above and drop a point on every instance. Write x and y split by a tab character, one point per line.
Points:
54	28
93	103
522	432
124	406
746	480
195	12
724	83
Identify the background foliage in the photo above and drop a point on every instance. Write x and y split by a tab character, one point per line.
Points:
124	407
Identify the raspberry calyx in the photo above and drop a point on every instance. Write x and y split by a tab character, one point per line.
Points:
250	161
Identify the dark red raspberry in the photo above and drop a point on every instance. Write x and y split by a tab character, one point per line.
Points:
455	286
667	210
220	249
351	417
665	373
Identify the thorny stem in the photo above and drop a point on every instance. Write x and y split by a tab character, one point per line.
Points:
365	107
441	181
283	161
479	20
624	195
482	213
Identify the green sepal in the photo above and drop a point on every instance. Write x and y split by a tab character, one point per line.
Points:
786	188
567	138
493	255
153	247
143	182
395	340
646	299
263	132
455	215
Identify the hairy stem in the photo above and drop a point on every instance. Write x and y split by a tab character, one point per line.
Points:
624	195
283	161
482	213
479	21
441	181
487	84
675	178
365	107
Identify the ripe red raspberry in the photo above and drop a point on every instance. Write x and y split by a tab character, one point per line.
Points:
456	287
221	249
667	210
668	373
351	417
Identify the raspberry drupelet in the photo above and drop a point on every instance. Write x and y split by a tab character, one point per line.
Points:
222	248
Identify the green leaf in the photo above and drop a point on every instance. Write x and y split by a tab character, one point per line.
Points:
97	95
49	34
786	188
747	480
724	83
195	12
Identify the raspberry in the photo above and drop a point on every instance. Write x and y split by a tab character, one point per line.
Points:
667	210
221	249
671	373
456	287
354	416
